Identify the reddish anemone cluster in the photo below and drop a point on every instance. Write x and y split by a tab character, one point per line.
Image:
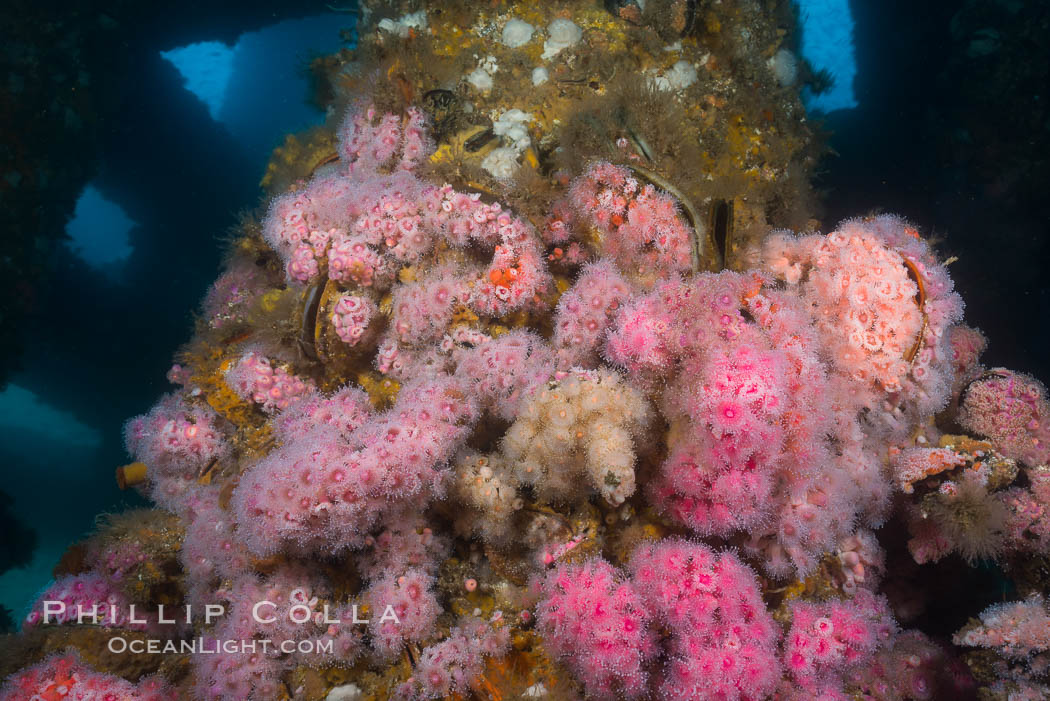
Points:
1011	409
719	641
827	640
178	439
774	411
641	227
326	490
85	598
596	621
883	306
66	677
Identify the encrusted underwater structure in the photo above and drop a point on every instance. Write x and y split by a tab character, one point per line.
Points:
536	348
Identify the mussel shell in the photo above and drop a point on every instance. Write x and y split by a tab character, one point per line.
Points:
443	107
